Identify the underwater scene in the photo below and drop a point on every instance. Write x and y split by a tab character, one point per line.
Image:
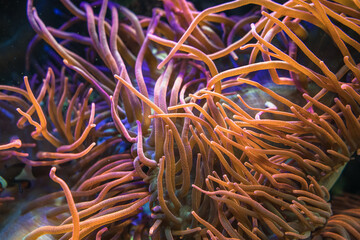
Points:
175	119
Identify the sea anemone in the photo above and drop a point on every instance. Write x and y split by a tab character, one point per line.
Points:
194	125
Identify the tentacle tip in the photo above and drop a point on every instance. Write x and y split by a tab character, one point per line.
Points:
161	65
52	172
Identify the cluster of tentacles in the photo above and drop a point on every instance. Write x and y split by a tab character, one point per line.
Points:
192	125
